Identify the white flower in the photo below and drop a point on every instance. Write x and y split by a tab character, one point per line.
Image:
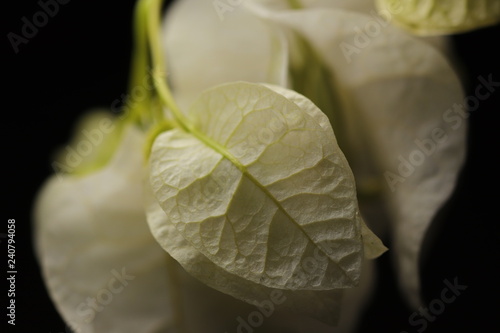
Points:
386	95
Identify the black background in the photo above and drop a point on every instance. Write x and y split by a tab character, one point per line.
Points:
80	60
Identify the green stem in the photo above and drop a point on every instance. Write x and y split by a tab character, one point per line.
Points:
295	4
148	35
159	63
137	110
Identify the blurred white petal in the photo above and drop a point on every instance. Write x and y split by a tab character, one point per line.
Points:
93	243
199	59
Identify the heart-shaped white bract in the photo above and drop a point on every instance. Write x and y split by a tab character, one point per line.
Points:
259	189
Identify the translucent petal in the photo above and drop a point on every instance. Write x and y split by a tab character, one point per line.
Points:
103	269
260	53
322	305
260	203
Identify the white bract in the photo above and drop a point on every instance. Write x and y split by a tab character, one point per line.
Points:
97	254
257	211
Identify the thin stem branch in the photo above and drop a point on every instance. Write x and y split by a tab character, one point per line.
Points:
159	63
137	110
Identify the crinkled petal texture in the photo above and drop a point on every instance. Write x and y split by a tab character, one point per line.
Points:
322	305
258	196
437	17
285	310
396	94
103	269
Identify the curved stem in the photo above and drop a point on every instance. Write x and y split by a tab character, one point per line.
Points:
137	110
156	130
159	63
148	39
